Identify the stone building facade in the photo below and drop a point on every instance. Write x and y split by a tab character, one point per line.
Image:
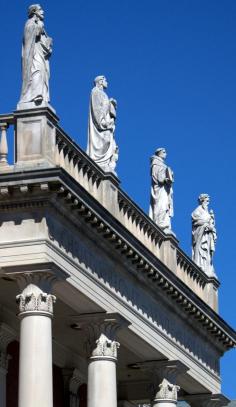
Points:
109	308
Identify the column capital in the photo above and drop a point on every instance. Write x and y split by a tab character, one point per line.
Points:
167	392
162	369
101	330
105	348
33	300
164	374
36	297
207	400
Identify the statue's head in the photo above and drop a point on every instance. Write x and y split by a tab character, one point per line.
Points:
161	152
204	199
100	81
36	9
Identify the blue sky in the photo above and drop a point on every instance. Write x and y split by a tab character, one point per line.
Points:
171	65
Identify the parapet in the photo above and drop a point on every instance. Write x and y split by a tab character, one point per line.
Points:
41	143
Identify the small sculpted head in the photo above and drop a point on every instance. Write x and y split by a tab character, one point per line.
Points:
161	152
36	10
101	82
204	200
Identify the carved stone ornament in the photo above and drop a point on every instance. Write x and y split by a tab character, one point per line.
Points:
4	358
75	381
33	299
167	391
105	347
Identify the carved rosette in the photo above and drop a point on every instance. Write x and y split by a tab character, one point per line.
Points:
34	300
105	348
168	391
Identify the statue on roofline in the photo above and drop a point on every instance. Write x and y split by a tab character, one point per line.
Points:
36	51
102	147
161	203
203	235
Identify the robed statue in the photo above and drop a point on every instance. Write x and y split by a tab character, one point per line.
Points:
203	235
102	147
161	203
36	51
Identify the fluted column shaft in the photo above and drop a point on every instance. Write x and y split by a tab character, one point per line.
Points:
35	371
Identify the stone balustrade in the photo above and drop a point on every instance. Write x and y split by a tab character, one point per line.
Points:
5	121
40	141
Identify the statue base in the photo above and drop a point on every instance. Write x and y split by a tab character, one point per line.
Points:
34	105
35	131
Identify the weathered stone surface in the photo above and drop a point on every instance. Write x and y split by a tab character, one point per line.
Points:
36	51
102	147
203	235
161	205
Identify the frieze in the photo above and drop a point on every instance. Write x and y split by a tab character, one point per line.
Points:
109	274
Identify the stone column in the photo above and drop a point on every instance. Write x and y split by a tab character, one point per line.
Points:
7	335
102	373
36	312
102	348
166	374
167	395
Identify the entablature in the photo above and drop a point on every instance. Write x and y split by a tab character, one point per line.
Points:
54	188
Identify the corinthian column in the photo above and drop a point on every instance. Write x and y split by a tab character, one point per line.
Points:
102	349
102	373
167	395
36	312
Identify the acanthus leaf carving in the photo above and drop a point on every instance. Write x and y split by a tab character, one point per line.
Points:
105	347
33	299
168	391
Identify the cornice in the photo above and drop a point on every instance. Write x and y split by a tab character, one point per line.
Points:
46	187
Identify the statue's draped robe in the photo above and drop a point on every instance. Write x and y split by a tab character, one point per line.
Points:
161	205
203	239
36	50
101	144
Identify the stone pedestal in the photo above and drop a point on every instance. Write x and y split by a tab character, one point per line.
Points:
35	137
35	371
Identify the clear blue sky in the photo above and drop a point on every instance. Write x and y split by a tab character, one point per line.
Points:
171	65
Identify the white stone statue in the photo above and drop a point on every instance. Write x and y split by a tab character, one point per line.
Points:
36	51
161	205
102	147
203	235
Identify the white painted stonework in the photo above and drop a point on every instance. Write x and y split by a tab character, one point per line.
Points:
136	320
